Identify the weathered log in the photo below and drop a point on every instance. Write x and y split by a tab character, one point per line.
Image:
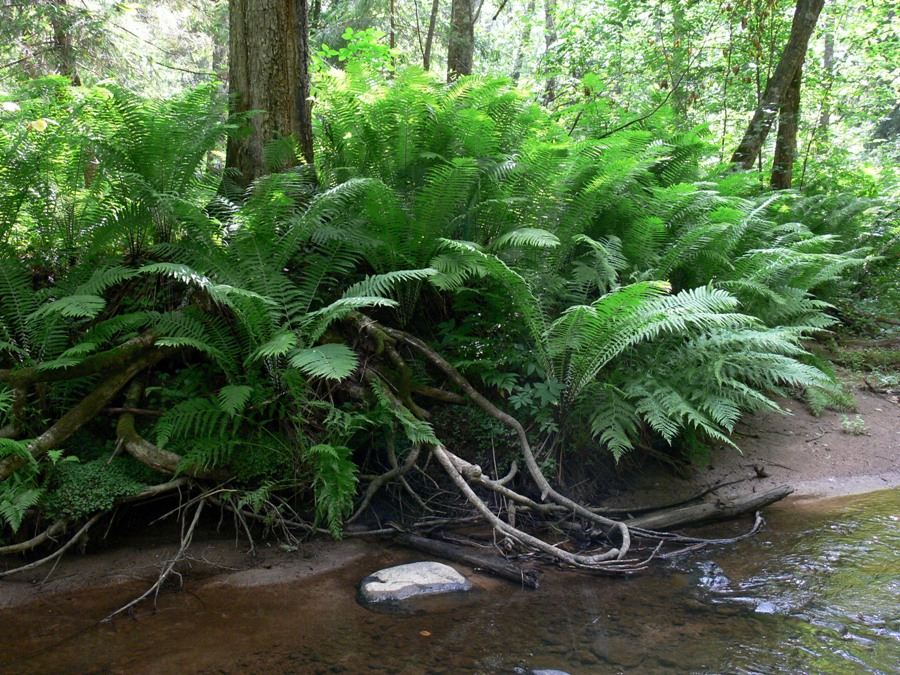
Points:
708	511
490	563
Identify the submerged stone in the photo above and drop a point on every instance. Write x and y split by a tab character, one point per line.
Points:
410	581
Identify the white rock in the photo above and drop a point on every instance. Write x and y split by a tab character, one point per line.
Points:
408	581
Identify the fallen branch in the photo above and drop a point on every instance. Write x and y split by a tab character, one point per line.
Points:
84	411
491	563
701	513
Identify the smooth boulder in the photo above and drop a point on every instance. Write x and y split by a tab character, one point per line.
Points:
402	582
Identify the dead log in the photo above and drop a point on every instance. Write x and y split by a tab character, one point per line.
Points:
490	563
708	511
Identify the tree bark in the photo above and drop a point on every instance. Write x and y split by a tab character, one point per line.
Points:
828	66
429	37
62	41
523	43
269	72
805	17
461	46
786	141
549	39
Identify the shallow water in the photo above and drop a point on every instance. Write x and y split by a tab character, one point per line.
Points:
818	591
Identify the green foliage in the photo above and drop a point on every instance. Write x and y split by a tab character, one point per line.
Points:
80	489
589	282
334	483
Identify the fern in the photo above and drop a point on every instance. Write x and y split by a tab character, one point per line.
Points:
331	361
334	483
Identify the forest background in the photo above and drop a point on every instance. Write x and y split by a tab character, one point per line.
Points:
553	234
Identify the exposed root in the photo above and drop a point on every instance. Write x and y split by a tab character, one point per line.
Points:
47	535
169	568
59	552
147	453
59	526
596	561
547	491
397	471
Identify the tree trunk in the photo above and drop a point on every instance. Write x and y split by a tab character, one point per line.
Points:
678	75
62	41
786	141
269	71
429	38
889	127
461	47
828	67
805	17
392	37
549	39
524	40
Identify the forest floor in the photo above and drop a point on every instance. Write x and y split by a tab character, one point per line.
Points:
829	455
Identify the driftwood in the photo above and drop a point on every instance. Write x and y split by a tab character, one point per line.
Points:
707	511
490	563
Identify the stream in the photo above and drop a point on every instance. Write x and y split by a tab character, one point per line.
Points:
817	591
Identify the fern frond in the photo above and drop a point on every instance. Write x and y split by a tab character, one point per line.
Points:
334	483
332	361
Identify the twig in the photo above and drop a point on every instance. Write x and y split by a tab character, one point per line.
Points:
821	433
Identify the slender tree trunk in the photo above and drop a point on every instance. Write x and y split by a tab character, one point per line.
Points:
392	38
62	41
786	140
549	38
679	65
524	39
461	46
805	17
269	71
828	66
429	38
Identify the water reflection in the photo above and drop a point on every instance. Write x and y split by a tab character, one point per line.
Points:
815	592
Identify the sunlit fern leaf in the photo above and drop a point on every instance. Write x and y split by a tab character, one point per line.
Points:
193	343
332	361
59	364
316	323
15	503
418	432
526	236
195	418
384	284
614	420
